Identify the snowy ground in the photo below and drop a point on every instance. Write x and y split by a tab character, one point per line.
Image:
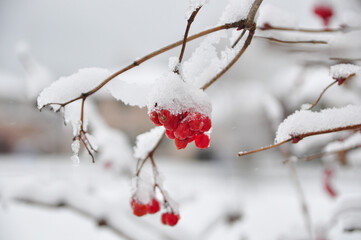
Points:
264	197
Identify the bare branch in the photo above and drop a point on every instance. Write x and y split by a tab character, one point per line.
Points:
291	42
268	26
299	137
319	98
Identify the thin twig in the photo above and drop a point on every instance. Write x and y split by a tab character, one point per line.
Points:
190	21
323	154
301	136
239	38
345	59
267	27
319	98
291	42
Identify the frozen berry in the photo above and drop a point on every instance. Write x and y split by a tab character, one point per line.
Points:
154	118
195	122
207	124
181	144
324	12
202	141
153	206
164	117
139	209
182	131
170	134
170	219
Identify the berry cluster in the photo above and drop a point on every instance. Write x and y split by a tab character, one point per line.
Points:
140	209
183	128
324	12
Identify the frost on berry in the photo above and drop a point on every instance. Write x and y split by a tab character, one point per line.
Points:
181	108
153	206
139	209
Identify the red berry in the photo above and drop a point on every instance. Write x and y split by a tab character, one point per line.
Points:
139	209
170	134
182	131
153	206
154	118
191	139
170	219
164	117
202	141
195	122
181	144
207	124
173	122
324	12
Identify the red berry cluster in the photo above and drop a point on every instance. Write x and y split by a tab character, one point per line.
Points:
184	128
324	12
140	209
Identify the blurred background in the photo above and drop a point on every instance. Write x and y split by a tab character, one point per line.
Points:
221	196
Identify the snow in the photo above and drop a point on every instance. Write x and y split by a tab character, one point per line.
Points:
348	212
207	192
304	121
147	141
343	70
350	142
276	16
70	87
172	93
193	5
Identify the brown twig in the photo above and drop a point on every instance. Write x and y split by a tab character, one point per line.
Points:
234	60
291	42
189	23
267	27
239	38
299	137
323	154
345	59
319	98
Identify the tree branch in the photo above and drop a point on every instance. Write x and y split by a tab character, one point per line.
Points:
299	137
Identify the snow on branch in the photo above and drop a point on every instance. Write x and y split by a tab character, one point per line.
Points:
71	87
343	70
349	143
146	142
304	122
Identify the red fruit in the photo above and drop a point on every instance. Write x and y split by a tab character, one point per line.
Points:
173	122
191	139
164	117
154	118
324	12
170	134
170	219
139	209
207	124
182	131
181	144
202	141
153	206
195	122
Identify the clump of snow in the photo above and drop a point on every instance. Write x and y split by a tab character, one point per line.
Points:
172	93
193	5
70	87
343	70
147	141
235	10
143	188
75	160
304	121
275	16
348	211
352	141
